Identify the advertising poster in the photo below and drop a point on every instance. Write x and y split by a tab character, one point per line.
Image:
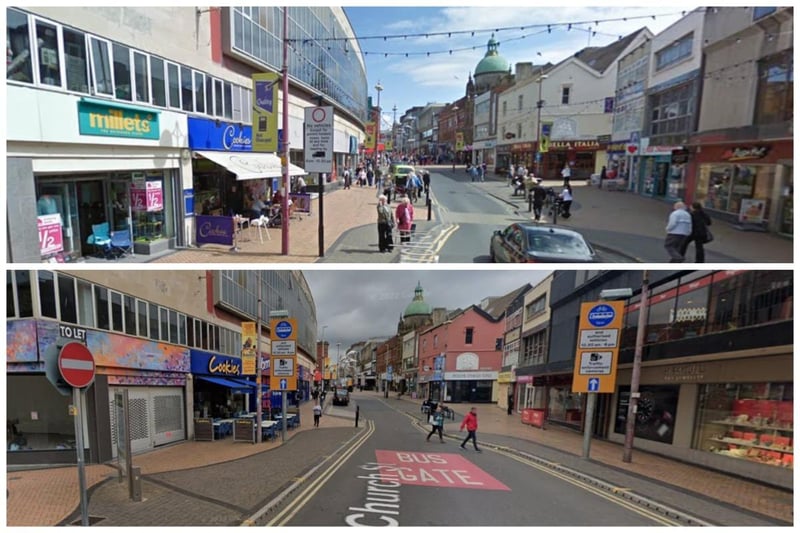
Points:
265	112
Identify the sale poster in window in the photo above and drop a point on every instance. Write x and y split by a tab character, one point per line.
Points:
51	239
149	199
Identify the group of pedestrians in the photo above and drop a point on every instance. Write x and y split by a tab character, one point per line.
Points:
470	422
402	218
684	227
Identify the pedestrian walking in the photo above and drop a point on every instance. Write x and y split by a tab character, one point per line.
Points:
347	178
436	420
699	234
404	214
385	226
510	402
471	423
483	171
566	200
566	173
474	173
370	176
317	414
679	227
426	181
539	196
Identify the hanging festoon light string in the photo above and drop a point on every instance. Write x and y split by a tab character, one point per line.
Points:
538	29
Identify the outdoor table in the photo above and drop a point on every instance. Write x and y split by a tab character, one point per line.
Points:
268	428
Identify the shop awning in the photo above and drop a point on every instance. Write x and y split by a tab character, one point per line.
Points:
250	166
234	385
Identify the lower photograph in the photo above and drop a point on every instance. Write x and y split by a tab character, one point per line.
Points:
435	397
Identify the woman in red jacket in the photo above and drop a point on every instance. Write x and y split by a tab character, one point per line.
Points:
471	422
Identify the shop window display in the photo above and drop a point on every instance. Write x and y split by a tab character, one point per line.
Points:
655	414
748	421
37	415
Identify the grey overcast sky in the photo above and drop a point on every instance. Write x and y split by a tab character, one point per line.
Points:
357	305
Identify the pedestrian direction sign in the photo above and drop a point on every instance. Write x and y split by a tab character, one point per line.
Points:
284	384
597	353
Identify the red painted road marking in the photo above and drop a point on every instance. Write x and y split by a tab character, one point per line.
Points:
435	470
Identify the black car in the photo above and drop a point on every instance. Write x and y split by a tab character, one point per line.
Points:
529	242
341	397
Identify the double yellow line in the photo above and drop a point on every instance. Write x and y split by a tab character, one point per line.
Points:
660	519
293	507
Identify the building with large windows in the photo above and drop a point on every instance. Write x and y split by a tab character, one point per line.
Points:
172	340
716	374
139	119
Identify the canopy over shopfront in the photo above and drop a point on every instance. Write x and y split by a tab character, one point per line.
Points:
236	386
248	166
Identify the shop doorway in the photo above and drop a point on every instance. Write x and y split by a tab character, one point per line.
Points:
60	198
91	210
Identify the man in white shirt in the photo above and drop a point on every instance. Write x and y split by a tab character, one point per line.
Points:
679	227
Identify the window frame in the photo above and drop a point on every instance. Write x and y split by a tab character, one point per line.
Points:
135	80
109	60
87	69
59	52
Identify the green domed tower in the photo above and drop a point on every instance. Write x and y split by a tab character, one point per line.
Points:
491	68
418	313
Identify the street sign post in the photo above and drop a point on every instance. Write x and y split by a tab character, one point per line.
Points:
596	356
283	360
76	366
318	137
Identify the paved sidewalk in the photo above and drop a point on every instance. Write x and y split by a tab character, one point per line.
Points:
50	496
221	482
633	225
344	209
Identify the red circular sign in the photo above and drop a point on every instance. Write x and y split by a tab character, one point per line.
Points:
76	364
632	148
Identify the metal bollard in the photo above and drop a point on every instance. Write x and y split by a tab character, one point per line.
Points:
428	201
530	203
358	408
136	484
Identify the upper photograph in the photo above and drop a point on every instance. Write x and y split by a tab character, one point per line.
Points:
205	134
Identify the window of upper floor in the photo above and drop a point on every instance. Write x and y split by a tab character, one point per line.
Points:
674	52
77	62
469	335
775	92
565	93
71	300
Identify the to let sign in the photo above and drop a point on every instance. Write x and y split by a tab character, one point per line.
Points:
76	364
51	238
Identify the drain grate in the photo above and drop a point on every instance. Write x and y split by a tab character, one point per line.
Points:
92	520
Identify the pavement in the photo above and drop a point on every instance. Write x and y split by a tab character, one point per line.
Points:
622	223
181	483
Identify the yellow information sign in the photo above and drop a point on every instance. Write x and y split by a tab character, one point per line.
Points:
249	347
597	353
265	112
283	367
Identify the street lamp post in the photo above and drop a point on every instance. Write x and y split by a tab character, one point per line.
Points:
379	88
539	104
627	449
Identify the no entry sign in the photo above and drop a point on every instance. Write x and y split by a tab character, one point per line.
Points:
76	364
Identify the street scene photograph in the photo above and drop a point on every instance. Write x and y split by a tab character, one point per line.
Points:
580	398
382	135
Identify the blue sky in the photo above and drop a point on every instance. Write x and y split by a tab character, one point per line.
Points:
442	77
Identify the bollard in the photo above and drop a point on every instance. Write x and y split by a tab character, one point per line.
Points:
530	203
136	484
357	413
428	201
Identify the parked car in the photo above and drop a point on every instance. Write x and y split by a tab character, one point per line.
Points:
529	242
341	396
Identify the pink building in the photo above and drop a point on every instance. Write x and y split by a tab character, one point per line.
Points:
459	360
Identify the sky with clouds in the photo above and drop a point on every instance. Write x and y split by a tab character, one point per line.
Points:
442	77
357	305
